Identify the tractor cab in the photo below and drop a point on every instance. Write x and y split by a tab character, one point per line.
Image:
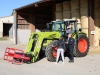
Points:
63	26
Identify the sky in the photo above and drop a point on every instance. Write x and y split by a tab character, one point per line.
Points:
7	6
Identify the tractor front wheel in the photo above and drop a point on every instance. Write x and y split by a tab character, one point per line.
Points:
51	52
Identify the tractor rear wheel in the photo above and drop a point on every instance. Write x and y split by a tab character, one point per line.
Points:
82	46
51	52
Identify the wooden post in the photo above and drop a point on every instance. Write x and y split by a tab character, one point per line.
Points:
32	19
15	28
54	10
91	21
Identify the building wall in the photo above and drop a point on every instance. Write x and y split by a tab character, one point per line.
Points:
97	22
76	9
23	36
8	19
23	28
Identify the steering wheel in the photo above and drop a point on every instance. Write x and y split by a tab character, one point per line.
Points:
60	28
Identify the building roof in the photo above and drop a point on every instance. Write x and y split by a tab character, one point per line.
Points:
32	4
6	16
35	3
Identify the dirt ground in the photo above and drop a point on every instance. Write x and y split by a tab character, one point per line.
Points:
89	65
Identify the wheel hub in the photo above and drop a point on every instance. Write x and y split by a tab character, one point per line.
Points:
82	45
54	52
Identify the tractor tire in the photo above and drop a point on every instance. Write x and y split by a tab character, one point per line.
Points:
81	46
49	51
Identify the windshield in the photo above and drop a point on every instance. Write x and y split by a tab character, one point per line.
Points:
72	26
58	27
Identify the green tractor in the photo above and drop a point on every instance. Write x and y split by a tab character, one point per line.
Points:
41	42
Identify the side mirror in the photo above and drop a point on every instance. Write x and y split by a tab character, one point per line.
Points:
80	29
47	25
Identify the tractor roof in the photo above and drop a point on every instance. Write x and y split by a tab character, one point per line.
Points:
64	20
69	20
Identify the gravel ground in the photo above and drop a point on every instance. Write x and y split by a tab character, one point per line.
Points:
89	65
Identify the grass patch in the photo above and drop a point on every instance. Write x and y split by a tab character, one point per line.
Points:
3	38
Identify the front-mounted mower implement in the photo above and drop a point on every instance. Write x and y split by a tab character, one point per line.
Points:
16	56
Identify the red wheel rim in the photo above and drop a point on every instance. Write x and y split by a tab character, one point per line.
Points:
54	51
82	45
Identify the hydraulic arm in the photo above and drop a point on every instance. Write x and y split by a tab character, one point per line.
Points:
36	41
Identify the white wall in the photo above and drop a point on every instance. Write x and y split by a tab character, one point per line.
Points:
8	19
23	36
